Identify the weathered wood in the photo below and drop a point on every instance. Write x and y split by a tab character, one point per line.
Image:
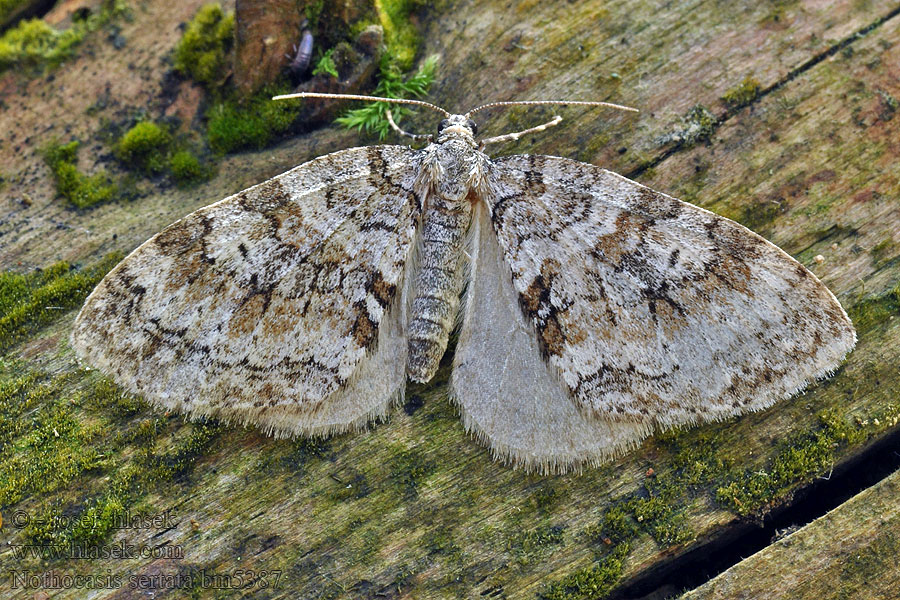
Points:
851	552
414	507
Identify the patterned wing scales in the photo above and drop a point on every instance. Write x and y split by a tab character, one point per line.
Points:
508	396
274	306
653	310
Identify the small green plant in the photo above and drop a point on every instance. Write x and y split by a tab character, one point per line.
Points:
326	65
79	189
145	146
201	53
372	118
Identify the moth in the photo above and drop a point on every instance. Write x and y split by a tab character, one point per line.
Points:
592	310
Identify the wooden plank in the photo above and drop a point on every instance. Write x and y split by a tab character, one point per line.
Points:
851	552
415	508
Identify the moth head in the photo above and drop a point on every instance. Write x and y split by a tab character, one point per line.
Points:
457	126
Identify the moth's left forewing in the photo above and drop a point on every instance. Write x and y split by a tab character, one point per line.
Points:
654	310
280	305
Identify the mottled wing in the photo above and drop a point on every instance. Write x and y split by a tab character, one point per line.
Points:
277	306
508	396
654	310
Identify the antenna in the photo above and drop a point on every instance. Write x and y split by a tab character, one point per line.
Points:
558	102
369	98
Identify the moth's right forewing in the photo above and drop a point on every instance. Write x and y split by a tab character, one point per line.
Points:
652	309
267	302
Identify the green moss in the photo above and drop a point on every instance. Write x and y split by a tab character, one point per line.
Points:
616	526
760	213
175	462
151	149
547	497
312	11
372	118
400	34
873	312
742	94
8	8
53	449
186	168
79	189
106	395
590	582
33	44
73	457
95	524
883	249
409	469
145	146
201	53
32	301
536	541
233	125
802	458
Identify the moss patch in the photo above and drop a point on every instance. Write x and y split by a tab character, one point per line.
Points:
799	461
145	146
30	301
73	185
233	125
152	150
742	94
202	52
590	582
76	462
399	32
872	312
33	44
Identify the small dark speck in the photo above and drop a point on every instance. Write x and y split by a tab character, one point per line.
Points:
115	236
623	150
414	403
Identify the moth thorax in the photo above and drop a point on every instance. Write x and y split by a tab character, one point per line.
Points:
438	285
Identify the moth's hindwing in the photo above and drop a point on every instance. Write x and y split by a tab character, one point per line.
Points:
509	397
654	310
271	305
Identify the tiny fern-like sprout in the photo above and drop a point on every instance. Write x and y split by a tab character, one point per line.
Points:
372	118
326	65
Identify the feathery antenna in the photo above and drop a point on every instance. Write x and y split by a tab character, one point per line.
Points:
367	98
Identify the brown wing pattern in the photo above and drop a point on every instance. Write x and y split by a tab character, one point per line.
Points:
652	309
269	301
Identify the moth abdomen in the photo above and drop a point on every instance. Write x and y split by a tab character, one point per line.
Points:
438	285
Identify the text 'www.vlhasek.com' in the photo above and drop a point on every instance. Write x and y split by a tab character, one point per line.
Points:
52	540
